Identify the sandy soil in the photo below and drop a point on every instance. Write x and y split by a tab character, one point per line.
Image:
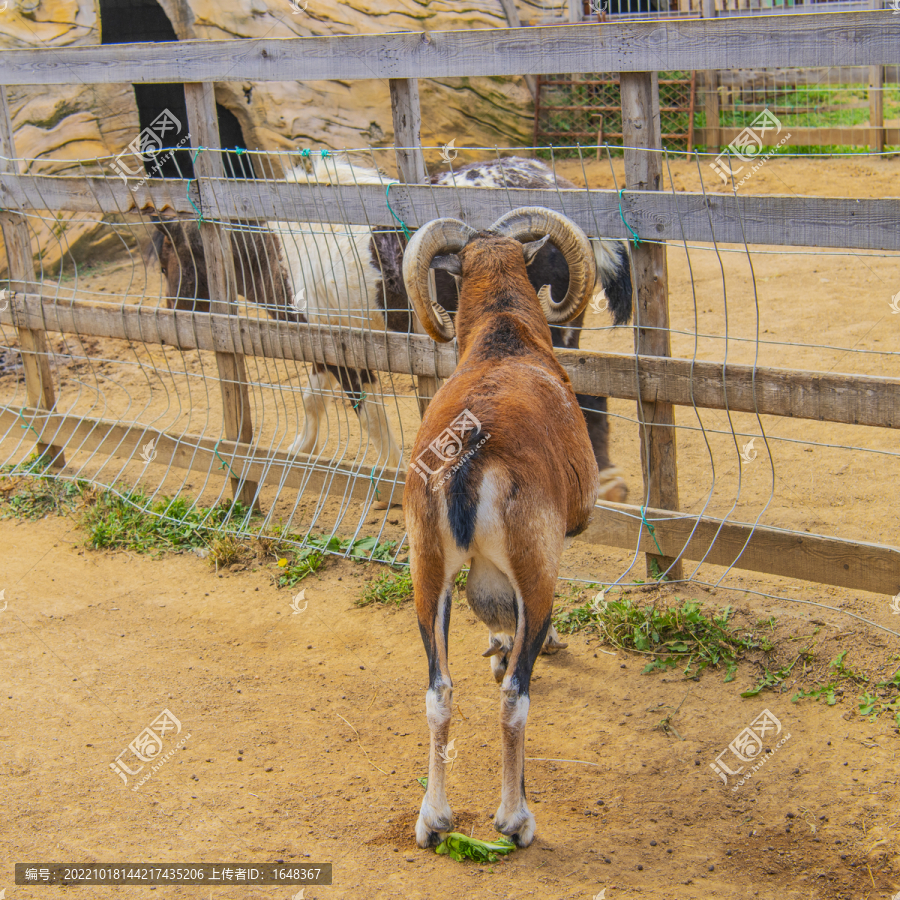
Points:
95	645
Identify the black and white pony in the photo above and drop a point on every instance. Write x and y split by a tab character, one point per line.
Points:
351	276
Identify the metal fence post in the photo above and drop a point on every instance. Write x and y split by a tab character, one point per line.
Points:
204	128
39	393
643	172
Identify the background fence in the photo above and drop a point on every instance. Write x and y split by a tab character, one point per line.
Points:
108	371
837	108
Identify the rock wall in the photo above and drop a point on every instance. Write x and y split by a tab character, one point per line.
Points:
65	129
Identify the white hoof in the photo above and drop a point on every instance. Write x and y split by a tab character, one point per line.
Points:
519	828
431	826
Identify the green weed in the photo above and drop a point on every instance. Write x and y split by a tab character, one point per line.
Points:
169	524
312	557
677	636
388	587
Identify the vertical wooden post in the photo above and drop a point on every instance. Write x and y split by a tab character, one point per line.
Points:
411	165
204	126
876	98
513	20
711	91
39	393
643	172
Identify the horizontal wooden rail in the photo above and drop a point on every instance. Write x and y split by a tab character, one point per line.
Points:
852	135
245	462
826	39
782	78
663	216
811	557
797	40
851	564
829	397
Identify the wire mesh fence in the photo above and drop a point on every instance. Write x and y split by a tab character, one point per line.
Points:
333	394
588	108
825	111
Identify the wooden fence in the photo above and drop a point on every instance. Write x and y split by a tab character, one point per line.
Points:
655	380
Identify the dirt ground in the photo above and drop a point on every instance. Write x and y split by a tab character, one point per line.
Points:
95	645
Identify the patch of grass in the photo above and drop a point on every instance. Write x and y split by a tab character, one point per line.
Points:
388	587
301	563
396	587
25	494
839	674
873	705
678	636
169	524
226	550
771	679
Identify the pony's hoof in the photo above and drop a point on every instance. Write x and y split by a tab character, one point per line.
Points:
612	486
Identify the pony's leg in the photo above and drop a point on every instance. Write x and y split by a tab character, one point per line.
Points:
315	398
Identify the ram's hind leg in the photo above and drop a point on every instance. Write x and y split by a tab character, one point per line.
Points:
433	609
514	818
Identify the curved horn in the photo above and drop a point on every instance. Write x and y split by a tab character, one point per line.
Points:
531	223
438	236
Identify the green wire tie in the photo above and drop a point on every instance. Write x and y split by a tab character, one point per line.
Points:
224	463
29	425
190	199
356	405
304	154
635	239
652	531
372	479
387	199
